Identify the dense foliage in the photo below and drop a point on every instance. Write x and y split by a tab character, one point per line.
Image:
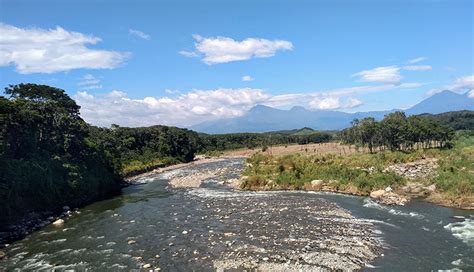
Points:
141	149
220	142
397	132
457	120
46	158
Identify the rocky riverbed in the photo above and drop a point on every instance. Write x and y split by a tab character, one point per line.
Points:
286	233
208	226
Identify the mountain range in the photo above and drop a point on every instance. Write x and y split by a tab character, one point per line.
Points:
262	118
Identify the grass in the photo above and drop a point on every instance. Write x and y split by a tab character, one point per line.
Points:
213	153
456	169
137	166
295	171
364	172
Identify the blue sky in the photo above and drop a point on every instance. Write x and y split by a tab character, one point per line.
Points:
183	62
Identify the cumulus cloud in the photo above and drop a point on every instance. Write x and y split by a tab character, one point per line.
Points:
36	50
385	74
328	103
184	110
203	105
169	91
215	50
89	82
417	67
139	34
334	103
459	85
247	78
416	60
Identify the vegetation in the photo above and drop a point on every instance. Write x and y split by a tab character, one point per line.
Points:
457	120
221	142
137	150
46	158
362	173
397	132
295	171
50	157
456	167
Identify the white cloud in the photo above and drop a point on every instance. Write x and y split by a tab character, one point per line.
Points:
328	103
247	78
89	82
36	50
203	105
223	49
386	74
169	91
189	54
186	109
460	85
471	94
139	34
417	67
352	103
416	60
334	103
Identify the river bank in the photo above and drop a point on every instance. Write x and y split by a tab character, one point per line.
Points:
444	177
206	226
34	221
211	227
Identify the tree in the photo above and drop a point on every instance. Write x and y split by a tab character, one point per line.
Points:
393	129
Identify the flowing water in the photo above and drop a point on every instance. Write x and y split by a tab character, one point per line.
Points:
184	229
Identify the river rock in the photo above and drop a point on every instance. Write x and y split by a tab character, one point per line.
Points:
131	242
431	188
377	194
317	184
58	223
146	266
388	198
2	254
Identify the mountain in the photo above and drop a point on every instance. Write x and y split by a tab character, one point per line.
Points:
263	118
443	102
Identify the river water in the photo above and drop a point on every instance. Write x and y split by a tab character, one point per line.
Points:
202	228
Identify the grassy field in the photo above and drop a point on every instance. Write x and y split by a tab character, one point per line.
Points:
361	173
308	149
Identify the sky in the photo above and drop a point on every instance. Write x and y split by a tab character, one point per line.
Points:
141	63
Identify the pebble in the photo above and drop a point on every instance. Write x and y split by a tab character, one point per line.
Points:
58	223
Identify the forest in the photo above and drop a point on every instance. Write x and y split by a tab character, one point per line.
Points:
50	157
46	158
397	132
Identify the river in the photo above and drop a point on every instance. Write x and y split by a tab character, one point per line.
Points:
214	227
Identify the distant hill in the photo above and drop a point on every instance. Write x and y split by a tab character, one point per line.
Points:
458	120
263	118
